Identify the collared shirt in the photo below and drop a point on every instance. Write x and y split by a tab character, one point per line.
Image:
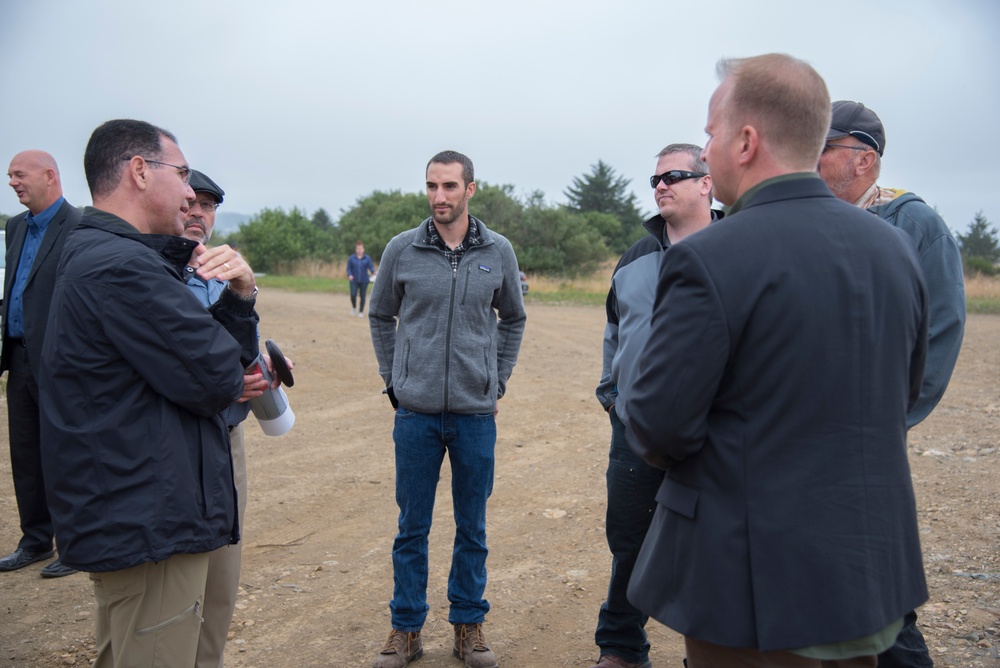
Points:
876	196
745	197
455	254
32	242
208	292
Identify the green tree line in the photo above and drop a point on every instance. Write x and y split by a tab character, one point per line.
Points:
601	220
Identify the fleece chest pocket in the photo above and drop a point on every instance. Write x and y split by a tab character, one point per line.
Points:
482	279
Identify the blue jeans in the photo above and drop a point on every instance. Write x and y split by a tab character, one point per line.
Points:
356	288
910	648
632	486
421	440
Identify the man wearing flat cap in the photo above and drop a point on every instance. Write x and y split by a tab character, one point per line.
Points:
223	579
850	165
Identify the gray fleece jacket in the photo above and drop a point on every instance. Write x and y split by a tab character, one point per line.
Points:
448	352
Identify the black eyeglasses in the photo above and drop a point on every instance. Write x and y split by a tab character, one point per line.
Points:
673	176
862	137
183	172
827	147
205	204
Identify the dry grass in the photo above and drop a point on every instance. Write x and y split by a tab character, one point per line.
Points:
982	294
982	287
314	269
597	282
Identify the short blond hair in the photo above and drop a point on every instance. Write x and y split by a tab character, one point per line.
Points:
785	99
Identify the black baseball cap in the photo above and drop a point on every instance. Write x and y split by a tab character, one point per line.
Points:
202	184
856	120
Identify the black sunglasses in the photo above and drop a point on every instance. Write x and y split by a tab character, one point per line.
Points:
672	177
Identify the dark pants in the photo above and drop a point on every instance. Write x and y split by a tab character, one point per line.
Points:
910	649
25	452
701	654
355	289
632	486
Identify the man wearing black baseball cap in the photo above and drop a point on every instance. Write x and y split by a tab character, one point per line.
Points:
850	165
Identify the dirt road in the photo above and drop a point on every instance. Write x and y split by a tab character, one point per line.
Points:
317	574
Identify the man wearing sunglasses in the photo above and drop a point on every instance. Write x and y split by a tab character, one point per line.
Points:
135	454
850	165
682	189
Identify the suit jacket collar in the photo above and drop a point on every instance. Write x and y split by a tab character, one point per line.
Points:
785	186
49	239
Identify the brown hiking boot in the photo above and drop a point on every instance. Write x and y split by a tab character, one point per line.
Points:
470	646
399	650
614	661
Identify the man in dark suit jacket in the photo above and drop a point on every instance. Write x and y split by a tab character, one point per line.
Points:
34	243
787	342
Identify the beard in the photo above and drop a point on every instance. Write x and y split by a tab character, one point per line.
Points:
195	231
450	215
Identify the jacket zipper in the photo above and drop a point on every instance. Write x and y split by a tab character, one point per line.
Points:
447	338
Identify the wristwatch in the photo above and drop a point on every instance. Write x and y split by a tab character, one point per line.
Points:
246	298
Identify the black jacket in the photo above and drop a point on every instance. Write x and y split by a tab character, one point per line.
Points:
38	289
786	344
134	373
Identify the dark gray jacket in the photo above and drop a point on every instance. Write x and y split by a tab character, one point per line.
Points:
941	262
630	307
448	353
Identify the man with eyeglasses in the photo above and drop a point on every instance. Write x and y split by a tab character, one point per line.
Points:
850	165
135	452
34	243
223	579
682	189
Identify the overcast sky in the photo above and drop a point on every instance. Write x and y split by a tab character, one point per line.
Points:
315	104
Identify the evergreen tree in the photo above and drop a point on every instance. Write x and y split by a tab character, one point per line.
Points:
321	219
980	241
603	191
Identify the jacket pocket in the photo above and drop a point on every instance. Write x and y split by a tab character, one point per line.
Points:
404	367
487	368
676	497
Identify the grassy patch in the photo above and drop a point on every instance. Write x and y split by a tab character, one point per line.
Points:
979	305
982	294
589	290
304	283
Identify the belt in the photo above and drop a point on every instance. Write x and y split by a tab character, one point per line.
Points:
16	341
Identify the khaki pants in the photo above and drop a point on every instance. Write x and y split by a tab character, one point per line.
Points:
150	614
223	573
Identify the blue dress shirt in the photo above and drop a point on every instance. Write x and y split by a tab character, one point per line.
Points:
32	242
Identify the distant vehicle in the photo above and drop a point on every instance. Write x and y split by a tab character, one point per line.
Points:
524	283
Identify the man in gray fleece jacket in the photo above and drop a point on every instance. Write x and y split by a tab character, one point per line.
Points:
445	358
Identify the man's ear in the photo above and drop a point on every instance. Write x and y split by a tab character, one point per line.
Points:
865	162
749	144
138	171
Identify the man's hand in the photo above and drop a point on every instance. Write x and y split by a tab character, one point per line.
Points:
224	263
254	385
275	381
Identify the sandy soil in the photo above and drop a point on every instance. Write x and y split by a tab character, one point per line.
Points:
317	573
